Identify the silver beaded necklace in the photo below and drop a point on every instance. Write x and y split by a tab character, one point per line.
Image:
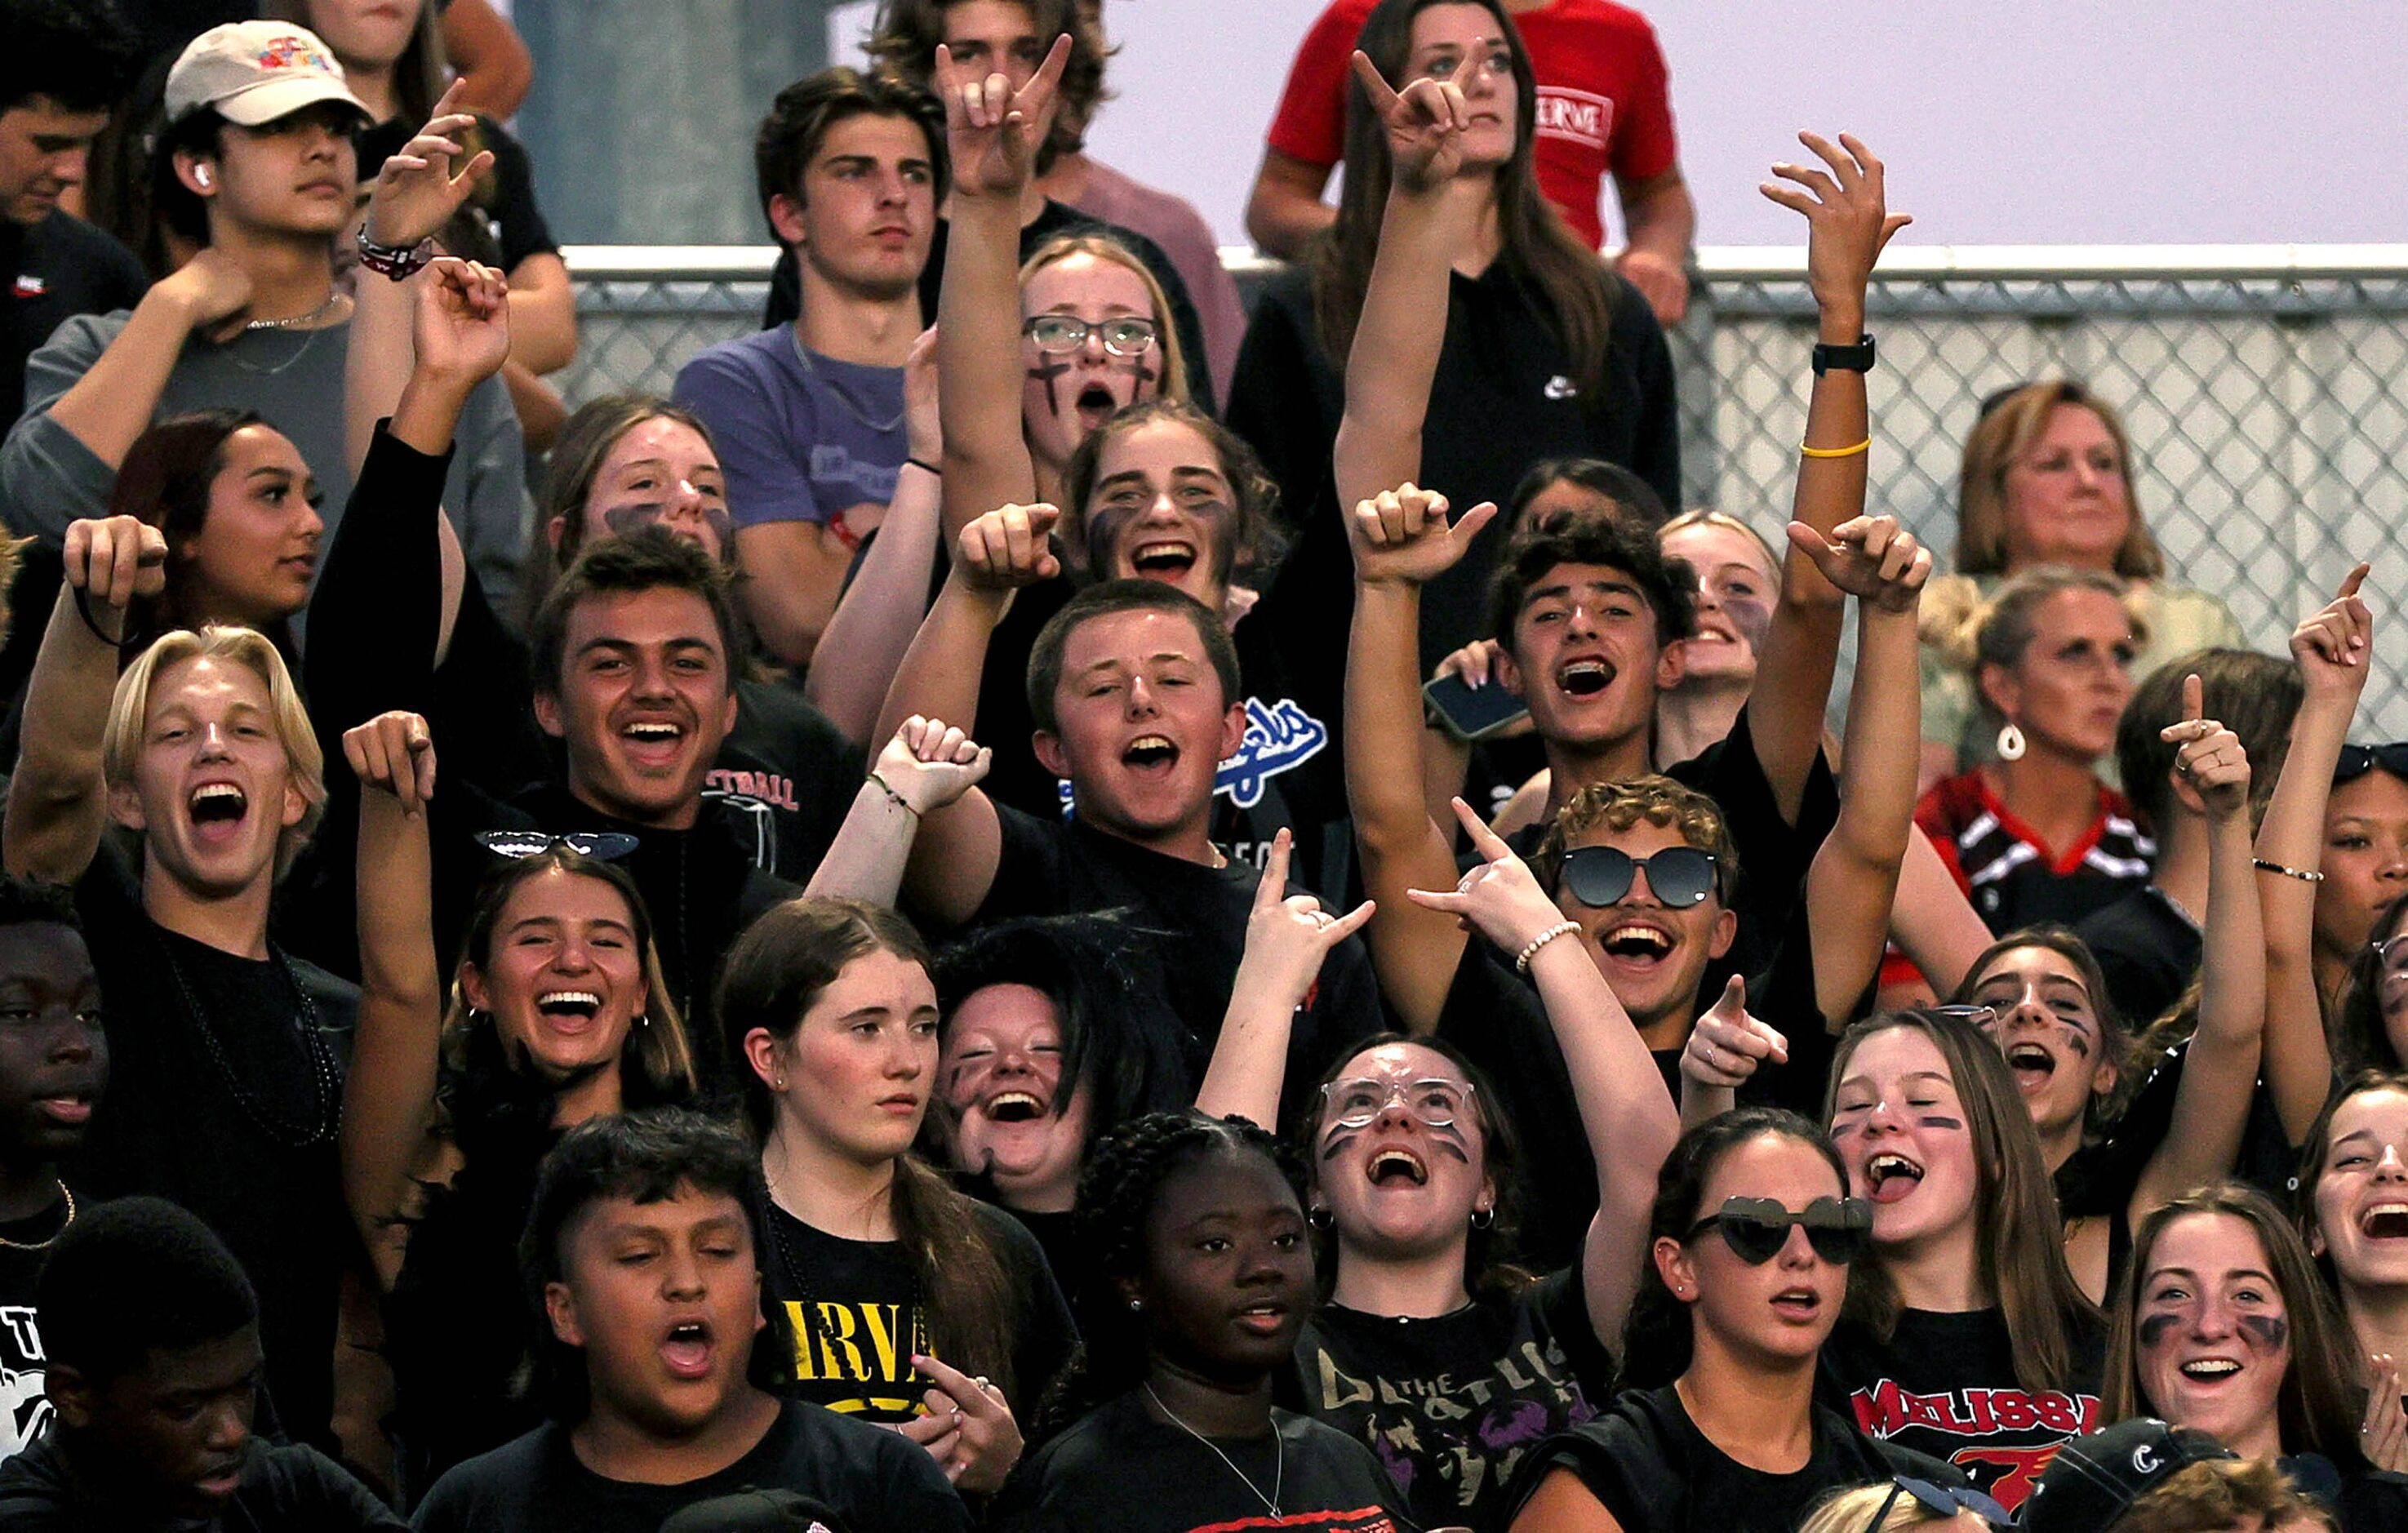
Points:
1278	1453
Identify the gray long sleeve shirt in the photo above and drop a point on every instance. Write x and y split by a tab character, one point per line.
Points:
294	380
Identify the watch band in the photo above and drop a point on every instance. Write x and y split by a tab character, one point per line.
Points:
1853	359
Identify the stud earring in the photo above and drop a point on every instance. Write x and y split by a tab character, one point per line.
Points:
1136	1304
2011	743
779	1084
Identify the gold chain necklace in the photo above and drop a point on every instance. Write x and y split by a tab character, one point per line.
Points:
43	1245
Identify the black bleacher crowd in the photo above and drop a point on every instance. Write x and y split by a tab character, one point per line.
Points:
1053	899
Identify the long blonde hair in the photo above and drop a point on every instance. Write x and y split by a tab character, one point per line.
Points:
129	717
2003	435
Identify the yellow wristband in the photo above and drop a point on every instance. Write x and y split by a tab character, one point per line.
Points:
1835	452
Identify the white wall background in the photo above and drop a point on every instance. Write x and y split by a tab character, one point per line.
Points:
2006	121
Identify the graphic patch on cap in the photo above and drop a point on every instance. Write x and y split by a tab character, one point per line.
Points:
292	52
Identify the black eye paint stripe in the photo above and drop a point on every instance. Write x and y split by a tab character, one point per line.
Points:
2272	1331
1337	1141
2154	1329
1452	1142
1048	373
1940	1122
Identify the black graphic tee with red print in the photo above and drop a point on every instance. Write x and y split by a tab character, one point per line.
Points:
1944	1386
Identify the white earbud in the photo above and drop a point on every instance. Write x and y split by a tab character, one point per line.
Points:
201	176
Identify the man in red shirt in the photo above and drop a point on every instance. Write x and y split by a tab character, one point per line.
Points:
1603	107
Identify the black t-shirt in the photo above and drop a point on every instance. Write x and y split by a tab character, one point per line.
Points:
1501	401
2148	951
284	1488
1117	1467
877	1480
788	773
1646	1463
224	1089
1450	1405
1197	918
25	1408
57	269
1945	1386
501	224
856	1314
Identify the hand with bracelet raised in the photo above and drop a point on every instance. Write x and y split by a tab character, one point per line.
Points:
111	563
929	765
1499	898
416	191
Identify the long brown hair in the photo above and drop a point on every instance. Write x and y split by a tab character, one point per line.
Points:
2115	1040
574	463
2316	1149
2015	1206
775	973
2321	1402
1537	248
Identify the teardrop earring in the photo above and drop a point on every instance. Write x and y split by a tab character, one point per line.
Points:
2011	743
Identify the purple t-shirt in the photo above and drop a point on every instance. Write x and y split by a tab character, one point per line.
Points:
801	437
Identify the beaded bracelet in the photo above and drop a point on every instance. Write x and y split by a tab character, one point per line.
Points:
1561	929
2299	873
900	802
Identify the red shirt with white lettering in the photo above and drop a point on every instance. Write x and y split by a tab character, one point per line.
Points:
1604	104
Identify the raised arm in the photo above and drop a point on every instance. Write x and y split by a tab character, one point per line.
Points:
1429	219
57	800
992	132
1931	921
2211	1105
926	766
1402	538
1848	223
1288	936
881	608
2334	647
1625	1110
389	1093
953	858
1851	884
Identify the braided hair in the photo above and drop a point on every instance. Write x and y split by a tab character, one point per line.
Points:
1125	1172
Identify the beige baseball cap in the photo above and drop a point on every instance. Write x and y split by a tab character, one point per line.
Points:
255	72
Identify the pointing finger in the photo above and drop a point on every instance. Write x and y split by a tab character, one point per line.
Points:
1273	883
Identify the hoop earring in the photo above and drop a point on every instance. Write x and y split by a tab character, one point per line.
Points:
2011	743
1319	1218
1136	1304
1482	1218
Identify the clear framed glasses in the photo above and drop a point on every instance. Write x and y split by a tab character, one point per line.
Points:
2391	957
1435	1100
1054	334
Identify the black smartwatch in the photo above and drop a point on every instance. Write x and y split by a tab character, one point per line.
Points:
1852	359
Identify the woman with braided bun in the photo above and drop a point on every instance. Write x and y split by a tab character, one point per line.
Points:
1202	1279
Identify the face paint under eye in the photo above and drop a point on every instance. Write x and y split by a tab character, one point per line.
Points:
2154	1329
1137	369
2272	1332
1048	373
1941	1122
1452	1141
1336	1141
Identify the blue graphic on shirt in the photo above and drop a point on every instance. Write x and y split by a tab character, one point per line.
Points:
1280	737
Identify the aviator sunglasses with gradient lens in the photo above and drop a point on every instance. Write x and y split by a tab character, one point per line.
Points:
1601	876
1756	1228
1057	333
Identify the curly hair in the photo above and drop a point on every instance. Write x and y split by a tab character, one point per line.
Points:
903	43
1667	585
1619	805
1657	1339
1116	1194
2218	1493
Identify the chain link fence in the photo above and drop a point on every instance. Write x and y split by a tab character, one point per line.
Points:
2266	392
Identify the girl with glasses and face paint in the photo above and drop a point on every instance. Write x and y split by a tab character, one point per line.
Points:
1753	1238
1431	1350
2223	1325
1965	1297
557	1013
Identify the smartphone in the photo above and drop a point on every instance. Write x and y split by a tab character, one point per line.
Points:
1474	714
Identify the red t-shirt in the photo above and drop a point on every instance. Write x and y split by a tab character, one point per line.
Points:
1603	101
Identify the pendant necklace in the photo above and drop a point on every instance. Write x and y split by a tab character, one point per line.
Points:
1279	1451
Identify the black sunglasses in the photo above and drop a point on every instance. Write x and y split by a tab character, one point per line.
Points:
2356	761
1942	1500
1600	876
1756	1228
601	845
